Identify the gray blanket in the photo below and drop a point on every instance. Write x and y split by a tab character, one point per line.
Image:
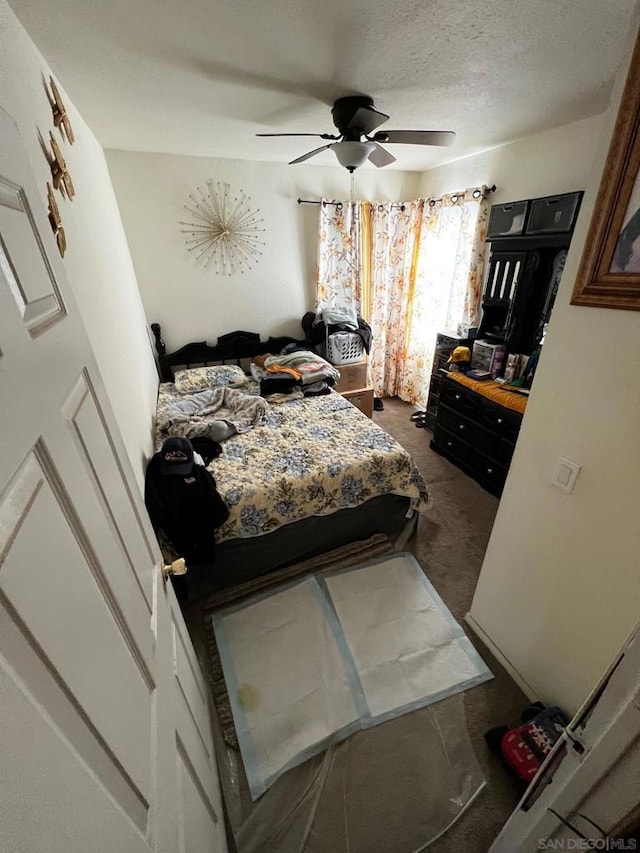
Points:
217	413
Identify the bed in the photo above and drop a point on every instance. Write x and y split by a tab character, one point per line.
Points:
313	475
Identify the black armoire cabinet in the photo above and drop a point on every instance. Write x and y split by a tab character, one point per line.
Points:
529	242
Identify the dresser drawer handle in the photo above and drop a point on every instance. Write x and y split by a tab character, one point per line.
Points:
489	470
449	444
499	420
460	426
457	396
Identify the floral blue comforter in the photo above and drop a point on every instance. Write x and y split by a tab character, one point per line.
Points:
309	457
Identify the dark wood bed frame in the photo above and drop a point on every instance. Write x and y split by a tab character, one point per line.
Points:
232	348
240	560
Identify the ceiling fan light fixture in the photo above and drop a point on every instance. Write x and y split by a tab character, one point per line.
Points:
356	120
352	155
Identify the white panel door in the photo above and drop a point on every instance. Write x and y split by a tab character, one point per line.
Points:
105	742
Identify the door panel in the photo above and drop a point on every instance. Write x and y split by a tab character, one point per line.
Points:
67	808
191	689
199	819
88	427
27	269
193	731
68	609
105	742
24	661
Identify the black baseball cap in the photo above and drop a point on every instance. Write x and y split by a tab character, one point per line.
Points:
176	456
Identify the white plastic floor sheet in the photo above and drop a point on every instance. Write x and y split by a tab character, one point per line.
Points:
309	664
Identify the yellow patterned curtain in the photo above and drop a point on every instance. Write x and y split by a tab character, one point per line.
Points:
411	270
366	259
394	232
339	256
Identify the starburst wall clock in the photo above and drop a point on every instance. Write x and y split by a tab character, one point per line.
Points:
224	228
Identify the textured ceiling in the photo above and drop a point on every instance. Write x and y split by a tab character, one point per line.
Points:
203	76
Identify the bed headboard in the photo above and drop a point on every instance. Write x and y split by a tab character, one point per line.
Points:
234	347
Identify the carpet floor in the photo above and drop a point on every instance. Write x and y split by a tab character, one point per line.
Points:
450	544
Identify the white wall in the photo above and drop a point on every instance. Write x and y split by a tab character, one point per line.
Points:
196	304
560	584
97	262
556	161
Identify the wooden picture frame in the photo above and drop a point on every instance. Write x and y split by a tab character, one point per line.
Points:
609	273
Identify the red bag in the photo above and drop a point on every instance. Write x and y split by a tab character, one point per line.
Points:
526	747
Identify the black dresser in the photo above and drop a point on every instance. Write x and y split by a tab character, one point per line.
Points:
477	433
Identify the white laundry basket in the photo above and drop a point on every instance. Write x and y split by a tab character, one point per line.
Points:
344	348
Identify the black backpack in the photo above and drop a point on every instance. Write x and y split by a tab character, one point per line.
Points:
187	509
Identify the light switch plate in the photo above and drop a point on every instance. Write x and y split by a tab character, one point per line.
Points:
566	474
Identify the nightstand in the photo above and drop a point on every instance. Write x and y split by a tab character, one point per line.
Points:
362	399
354	387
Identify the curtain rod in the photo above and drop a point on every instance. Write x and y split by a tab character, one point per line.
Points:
338	204
485	192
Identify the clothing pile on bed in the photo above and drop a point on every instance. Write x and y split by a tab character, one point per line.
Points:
217	413
293	375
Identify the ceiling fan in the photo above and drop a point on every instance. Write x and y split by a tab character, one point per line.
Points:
356	119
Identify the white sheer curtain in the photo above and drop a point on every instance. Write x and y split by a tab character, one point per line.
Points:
447	283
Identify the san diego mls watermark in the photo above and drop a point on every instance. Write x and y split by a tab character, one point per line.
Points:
587	844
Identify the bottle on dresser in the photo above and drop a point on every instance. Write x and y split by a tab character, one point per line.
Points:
498	364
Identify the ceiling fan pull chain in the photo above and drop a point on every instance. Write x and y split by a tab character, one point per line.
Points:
353	187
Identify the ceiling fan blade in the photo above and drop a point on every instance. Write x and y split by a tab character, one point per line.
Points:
310	154
366	119
380	157
321	135
416	137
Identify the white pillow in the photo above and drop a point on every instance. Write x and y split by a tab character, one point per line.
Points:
202	378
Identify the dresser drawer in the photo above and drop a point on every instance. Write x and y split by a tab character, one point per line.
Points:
440	362
451	443
458	397
433	404
503	452
467	429
353	377
362	399
488	470
505	422
435	386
